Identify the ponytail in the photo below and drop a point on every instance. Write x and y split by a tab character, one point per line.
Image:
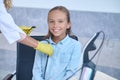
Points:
8	4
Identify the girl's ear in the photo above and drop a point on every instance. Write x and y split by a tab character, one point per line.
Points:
69	25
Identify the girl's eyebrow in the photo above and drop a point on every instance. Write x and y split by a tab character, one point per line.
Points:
58	19
50	19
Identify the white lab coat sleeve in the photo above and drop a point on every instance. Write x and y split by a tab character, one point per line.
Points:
8	27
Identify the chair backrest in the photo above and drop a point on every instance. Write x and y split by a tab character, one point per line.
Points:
25	59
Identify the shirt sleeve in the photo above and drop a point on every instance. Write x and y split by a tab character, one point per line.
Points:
76	62
8	27
37	73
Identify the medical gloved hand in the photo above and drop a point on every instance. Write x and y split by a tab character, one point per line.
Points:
45	48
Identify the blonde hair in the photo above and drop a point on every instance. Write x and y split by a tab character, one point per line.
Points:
8	4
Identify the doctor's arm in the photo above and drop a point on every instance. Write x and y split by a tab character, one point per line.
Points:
42	47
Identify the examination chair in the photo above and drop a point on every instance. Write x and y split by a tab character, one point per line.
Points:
25	60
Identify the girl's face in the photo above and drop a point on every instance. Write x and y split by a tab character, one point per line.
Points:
58	24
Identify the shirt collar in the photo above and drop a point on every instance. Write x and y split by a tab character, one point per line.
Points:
63	41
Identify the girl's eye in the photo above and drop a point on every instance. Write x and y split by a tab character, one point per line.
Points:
60	21
51	21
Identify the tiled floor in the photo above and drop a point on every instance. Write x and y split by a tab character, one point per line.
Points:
108	59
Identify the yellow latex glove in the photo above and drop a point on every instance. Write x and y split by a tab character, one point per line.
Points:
45	48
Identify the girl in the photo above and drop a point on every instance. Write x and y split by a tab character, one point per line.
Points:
67	57
14	34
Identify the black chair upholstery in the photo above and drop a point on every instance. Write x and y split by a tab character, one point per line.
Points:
25	60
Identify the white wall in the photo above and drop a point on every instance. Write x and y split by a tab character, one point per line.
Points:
112	6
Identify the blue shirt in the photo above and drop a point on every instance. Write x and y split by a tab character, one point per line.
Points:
65	61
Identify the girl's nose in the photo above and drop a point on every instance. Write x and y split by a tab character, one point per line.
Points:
55	24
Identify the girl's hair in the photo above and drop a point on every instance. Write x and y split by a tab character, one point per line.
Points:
65	10
8	4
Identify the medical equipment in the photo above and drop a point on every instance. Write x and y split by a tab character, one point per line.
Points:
27	29
88	68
